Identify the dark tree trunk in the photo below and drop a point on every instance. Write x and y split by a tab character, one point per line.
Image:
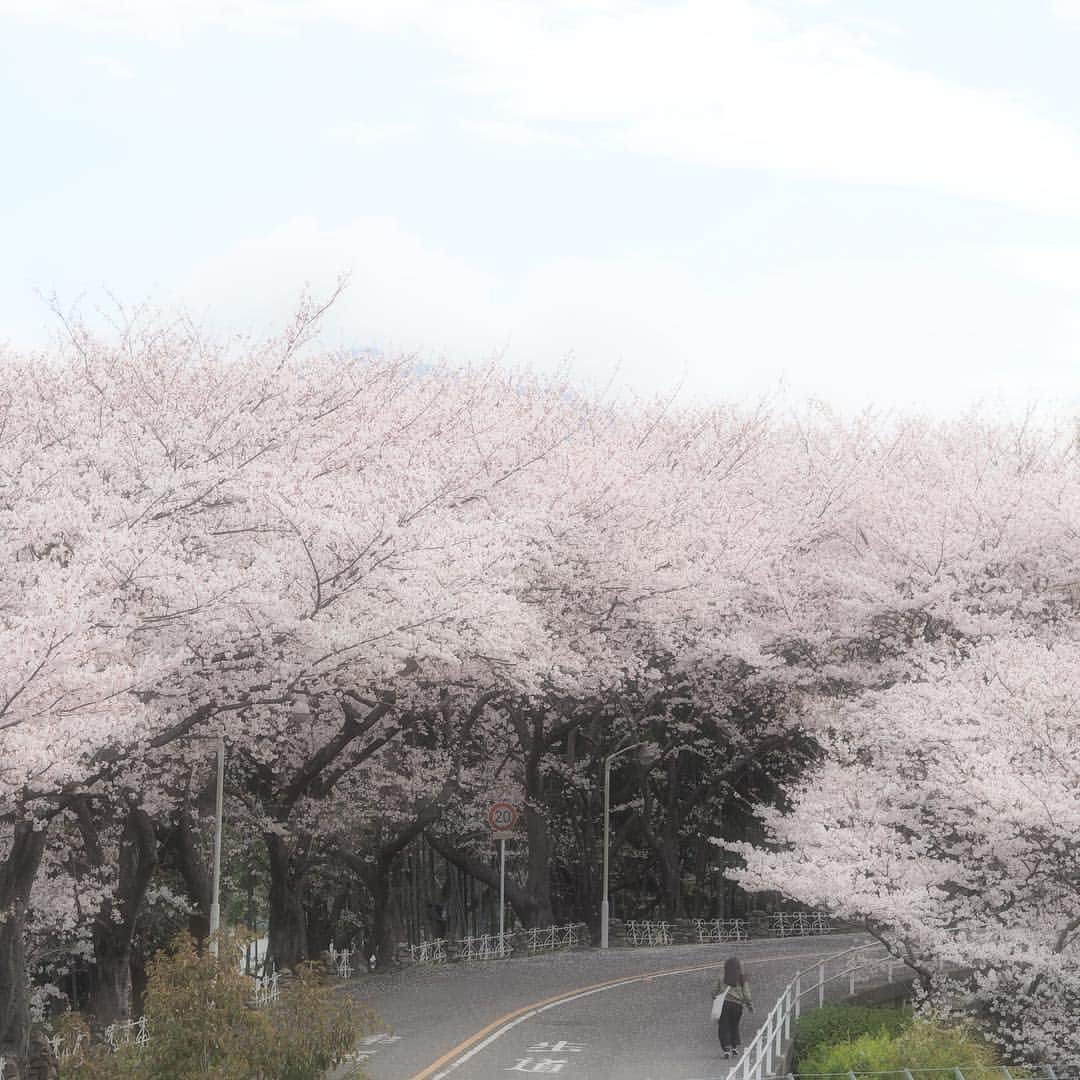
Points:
539	869
17	873
520	899
382	930
531	735
110	984
671	875
664	842
193	869
321	922
114	925
288	923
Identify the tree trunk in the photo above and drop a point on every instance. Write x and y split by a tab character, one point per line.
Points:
539	868
17	873
520	900
321	921
382	931
530	733
288	924
671	874
114	925
110	985
192	867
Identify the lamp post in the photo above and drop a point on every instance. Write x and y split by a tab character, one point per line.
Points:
605	909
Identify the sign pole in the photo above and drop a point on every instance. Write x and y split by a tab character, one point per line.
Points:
501	818
502	892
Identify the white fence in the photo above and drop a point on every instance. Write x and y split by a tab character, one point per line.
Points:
766	1049
125	1032
267	989
428	952
714	931
550	937
492	947
64	1049
647	933
342	962
800	923
486	947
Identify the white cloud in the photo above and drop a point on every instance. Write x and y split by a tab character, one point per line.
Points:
509	133
727	83
1053	267
367	134
891	332
112	68
404	294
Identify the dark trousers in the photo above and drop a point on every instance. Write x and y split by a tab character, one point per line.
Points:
727	1027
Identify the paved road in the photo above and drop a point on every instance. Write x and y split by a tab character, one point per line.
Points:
646	1026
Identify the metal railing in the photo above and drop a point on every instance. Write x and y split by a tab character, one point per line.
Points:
341	962
428	952
267	989
800	923
647	933
486	947
714	931
768	1043
125	1032
550	937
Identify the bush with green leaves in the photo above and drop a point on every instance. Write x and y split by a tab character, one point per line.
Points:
921	1045
202	1024
841	1023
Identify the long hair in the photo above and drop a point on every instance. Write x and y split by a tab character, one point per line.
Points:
733	973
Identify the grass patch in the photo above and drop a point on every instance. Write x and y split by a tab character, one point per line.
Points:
842	1023
919	1045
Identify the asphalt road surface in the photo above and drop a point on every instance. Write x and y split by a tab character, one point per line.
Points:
625	1014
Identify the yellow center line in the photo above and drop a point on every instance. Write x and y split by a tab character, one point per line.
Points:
450	1058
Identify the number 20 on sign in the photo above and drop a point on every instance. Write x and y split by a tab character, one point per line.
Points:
501	817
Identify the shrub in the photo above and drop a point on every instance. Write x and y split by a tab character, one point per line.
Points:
201	1024
921	1045
842	1023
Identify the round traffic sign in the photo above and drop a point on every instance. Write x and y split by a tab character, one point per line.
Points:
501	816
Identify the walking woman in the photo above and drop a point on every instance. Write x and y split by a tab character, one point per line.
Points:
737	998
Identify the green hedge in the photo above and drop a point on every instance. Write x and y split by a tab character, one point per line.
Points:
920	1045
842	1023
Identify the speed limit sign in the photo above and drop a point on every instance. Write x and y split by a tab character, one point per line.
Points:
501	818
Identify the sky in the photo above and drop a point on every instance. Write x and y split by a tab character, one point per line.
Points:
865	202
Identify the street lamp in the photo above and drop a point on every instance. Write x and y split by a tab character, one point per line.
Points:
605	909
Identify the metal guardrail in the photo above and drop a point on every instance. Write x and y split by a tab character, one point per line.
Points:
486	947
800	923
647	933
550	937
341	962
124	1032
767	1046
428	952
714	931
267	989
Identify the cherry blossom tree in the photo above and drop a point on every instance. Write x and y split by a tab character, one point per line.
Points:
945	818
